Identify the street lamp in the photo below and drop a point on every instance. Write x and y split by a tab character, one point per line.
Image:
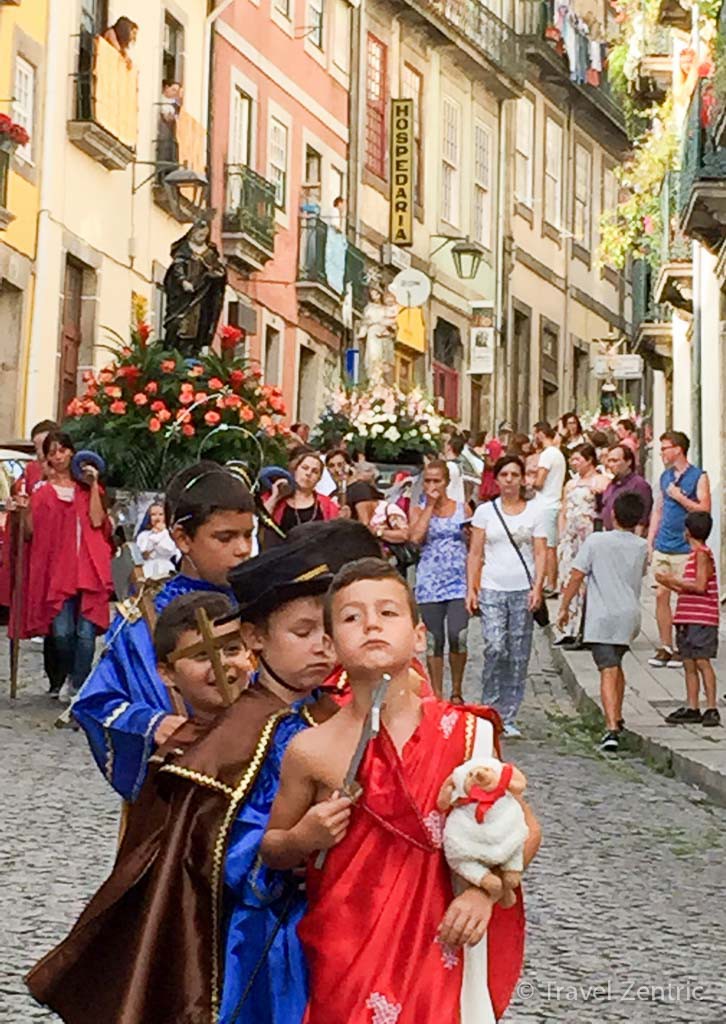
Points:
174	179
467	255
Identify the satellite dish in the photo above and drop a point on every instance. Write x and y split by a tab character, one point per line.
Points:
411	287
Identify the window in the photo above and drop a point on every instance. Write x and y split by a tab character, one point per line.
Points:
241	142
482	193
341	35
337	180
412	89
313	165
450	170
315	18
583	191
271	362
282	7
172	58
375	158
278	161
553	173
609	190
24	103
524	162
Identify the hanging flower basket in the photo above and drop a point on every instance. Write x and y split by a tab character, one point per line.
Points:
12	135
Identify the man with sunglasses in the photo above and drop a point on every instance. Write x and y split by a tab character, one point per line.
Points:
684	488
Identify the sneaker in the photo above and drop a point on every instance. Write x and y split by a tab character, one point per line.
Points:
711	717
565	641
675	661
512	732
549	593
610	743
684	716
662	658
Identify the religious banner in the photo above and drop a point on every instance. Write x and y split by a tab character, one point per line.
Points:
481	350
402	153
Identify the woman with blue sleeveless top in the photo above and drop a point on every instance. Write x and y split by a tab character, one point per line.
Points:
437	525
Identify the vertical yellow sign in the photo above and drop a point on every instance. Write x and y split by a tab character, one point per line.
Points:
402	151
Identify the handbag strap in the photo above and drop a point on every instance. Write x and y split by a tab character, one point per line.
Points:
513	543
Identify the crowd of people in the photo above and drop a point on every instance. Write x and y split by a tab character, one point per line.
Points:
264	621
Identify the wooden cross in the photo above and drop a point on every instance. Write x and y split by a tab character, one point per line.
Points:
211	646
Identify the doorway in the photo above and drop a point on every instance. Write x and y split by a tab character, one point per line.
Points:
521	361
72	335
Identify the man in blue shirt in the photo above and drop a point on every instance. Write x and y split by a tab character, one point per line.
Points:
684	488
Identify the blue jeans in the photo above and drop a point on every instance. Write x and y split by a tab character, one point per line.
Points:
75	643
507	626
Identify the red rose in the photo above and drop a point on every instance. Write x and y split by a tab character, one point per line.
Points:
117	407
186	397
144	331
188	430
212	418
151	388
168	365
5	124
157	406
230	337
154	425
200	396
140	398
113	392
164	415
19	135
236	378
215	384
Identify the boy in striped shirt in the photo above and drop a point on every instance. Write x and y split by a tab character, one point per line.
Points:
696	621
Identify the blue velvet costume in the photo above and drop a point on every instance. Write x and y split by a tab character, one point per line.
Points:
255	898
124	699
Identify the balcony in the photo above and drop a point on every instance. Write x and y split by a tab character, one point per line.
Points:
180	142
652	327
587	83
475	24
702	189
674	281
654	72
248	225
105	114
327	264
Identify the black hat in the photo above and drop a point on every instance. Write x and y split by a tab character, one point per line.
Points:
340	540
281	574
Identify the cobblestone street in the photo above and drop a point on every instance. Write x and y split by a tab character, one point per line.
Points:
627	920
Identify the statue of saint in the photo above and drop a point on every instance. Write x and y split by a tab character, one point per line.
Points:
378	328
194	286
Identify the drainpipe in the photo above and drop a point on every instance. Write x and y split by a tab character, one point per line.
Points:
696	403
354	114
502	206
208	51
45	288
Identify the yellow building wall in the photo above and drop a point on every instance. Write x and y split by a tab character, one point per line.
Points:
23	197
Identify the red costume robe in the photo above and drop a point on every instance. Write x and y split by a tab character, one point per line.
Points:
67	556
375	908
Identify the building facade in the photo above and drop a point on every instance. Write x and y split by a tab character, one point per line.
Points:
22	86
112	129
280	137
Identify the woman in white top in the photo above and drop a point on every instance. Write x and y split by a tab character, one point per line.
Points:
156	545
499	586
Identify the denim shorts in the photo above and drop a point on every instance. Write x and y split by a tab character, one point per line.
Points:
694	641
608	655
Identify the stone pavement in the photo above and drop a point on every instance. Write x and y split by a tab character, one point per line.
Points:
625	901
692	753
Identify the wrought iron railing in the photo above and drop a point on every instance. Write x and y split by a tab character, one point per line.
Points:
676	246
326	257
249	205
537	23
496	40
701	158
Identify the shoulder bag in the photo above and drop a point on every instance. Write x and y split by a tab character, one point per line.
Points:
541	614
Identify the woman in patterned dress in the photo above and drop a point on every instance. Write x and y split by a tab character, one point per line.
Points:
577	521
437	525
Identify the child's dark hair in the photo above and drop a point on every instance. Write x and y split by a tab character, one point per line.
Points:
180	616
364	569
43	427
629	509
58	437
699	525
197	492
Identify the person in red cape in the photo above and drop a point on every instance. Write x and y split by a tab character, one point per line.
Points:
390	936
69	559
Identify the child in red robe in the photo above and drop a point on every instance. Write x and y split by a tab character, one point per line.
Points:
386	936
69	561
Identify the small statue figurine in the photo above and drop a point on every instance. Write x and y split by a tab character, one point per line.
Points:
378	327
194	285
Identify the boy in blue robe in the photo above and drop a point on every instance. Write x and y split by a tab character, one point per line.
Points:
124	707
